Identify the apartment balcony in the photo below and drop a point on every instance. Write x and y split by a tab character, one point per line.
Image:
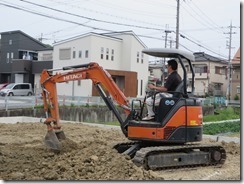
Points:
201	75
198	76
218	93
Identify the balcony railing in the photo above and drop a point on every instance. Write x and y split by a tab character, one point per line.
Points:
218	93
201	75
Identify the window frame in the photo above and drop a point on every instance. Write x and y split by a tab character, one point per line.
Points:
86	54
80	54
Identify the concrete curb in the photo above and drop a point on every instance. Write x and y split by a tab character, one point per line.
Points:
21	119
224	121
218	138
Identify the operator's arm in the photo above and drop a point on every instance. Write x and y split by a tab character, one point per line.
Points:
158	88
168	85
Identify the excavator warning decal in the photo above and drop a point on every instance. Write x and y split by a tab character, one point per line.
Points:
193	122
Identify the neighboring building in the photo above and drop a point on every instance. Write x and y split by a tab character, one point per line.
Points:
210	75
44	61
23	58
18	51
119	53
158	70
236	76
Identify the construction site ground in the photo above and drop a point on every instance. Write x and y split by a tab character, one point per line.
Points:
87	154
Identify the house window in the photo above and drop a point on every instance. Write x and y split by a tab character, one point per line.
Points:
238	91
187	68
65	54
220	70
10	42
7	57
79	82
102	52
201	68
46	57
217	86
217	70
80	53
107	54
86	54
12	57
137	57
112	54
73	54
142	57
189	84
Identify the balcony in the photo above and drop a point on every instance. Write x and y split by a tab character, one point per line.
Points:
201	75
218	93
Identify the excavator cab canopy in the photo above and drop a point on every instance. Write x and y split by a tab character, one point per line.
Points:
182	56
169	53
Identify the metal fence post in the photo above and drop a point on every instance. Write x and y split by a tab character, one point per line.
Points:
6	102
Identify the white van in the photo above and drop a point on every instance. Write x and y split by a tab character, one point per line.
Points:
17	89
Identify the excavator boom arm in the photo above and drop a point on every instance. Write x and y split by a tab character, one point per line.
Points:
91	71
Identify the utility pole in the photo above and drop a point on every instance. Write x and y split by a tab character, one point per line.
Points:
166	37
40	39
177	24
229	61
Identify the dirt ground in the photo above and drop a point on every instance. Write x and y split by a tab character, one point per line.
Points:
88	155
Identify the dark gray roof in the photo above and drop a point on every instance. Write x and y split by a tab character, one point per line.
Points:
48	48
20	32
201	56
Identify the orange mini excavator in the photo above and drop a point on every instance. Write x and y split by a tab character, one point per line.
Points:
170	140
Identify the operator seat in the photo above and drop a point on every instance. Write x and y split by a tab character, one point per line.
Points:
166	104
179	91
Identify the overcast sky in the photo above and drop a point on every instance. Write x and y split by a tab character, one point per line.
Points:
204	24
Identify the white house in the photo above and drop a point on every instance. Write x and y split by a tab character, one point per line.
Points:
119	53
44	61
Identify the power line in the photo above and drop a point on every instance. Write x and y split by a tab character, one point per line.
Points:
198	20
183	36
92	27
91	19
205	16
179	34
52	17
202	29
127	9
107	14
203	19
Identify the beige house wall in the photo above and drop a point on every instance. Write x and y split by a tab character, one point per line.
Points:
204	79
236	76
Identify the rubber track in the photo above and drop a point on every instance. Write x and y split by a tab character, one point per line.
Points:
140	159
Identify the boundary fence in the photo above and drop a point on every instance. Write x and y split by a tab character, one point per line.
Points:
16	102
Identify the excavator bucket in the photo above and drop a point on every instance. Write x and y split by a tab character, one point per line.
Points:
60	135
51	141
